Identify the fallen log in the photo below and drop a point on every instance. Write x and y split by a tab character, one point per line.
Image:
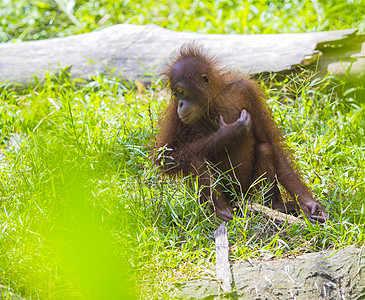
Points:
137	52
323	275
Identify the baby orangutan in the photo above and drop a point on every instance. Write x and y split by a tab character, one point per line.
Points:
218	116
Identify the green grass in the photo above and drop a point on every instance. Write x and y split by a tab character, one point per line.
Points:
27	20
80	198
85	215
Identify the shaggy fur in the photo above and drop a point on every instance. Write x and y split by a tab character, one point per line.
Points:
243	147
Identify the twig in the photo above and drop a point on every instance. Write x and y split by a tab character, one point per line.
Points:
224	275
274	214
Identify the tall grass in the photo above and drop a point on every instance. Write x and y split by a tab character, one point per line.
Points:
25	20
84	213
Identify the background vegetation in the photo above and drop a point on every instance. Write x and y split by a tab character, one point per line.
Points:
84	214
43	19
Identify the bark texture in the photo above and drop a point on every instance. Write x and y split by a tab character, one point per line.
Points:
223	269
323	275
137	52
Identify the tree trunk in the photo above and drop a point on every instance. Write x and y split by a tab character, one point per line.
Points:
323	275
137	52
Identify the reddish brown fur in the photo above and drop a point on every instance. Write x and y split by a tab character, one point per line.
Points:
251	146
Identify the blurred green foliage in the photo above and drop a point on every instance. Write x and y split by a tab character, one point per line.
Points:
42	19
85	215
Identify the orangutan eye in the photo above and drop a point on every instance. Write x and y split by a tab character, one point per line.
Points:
205	78
181	92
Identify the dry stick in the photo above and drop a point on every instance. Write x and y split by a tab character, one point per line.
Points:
224	275
274	214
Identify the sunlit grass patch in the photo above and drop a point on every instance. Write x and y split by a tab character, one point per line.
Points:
83	211
24	20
